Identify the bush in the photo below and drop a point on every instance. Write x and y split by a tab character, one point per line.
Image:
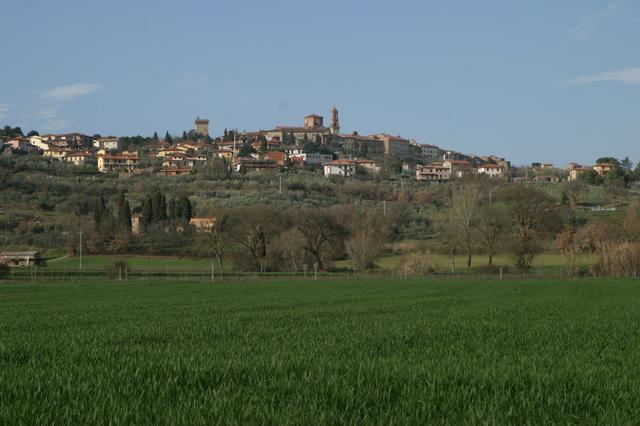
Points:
118	270
419	264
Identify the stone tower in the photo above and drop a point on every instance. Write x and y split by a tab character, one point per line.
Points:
202	126
335	121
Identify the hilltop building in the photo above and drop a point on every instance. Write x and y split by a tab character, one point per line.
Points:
202	126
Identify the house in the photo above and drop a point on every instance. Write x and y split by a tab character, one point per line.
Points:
254	164
126	161
203	224
434	172
343	167
223	153
311	159
491	170
458	168
20	144
604	168
278	156
172	151
368	165
376	146
576	170
39	143
57	153
110	143
78	158
429	151
22	258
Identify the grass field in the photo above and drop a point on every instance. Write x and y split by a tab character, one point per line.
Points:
367	351
543	263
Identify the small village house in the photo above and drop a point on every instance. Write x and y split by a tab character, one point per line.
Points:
22	258
344	168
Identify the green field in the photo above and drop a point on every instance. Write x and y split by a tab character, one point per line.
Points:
543	263
363	351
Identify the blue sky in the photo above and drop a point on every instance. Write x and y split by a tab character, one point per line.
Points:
543	80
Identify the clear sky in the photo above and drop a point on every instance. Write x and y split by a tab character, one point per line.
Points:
537	80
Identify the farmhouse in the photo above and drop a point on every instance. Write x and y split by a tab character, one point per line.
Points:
434	172
345	168
118	162
22	258
491	170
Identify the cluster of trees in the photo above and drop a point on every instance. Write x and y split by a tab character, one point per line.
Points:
263	238
515	219
615	243
623	173
8	132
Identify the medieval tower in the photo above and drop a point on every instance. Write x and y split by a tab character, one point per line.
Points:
202	126
335	122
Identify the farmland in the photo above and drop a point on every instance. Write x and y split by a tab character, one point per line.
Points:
334	351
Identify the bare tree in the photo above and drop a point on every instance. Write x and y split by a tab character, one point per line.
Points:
319	228
531	212
218	237
368	233
491	225
463	207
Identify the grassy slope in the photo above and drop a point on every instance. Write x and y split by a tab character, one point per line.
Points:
324	352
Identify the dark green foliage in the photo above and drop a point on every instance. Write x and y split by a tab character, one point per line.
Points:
124	216
336	352
246	150
167	138
10	132
4	270
100	210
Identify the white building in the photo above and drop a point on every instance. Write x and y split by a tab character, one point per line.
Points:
345	168
492	170
39	143
314	159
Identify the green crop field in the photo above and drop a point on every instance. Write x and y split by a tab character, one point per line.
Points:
302	352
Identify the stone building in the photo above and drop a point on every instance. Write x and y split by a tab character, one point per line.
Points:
202	126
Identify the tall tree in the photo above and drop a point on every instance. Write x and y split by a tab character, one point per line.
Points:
167	138
124	216
531	212
99	210
463	206
319	229
218	239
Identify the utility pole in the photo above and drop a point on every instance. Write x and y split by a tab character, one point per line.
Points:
80	249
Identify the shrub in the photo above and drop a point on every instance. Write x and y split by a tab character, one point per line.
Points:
118	270
419	264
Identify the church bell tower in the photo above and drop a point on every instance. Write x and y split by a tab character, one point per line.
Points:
335	121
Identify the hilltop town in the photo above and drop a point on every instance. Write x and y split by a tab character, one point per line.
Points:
312	146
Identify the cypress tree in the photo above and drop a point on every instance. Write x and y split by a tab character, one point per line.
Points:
124	216
147	212
172	210
186	210
184	136
99	211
